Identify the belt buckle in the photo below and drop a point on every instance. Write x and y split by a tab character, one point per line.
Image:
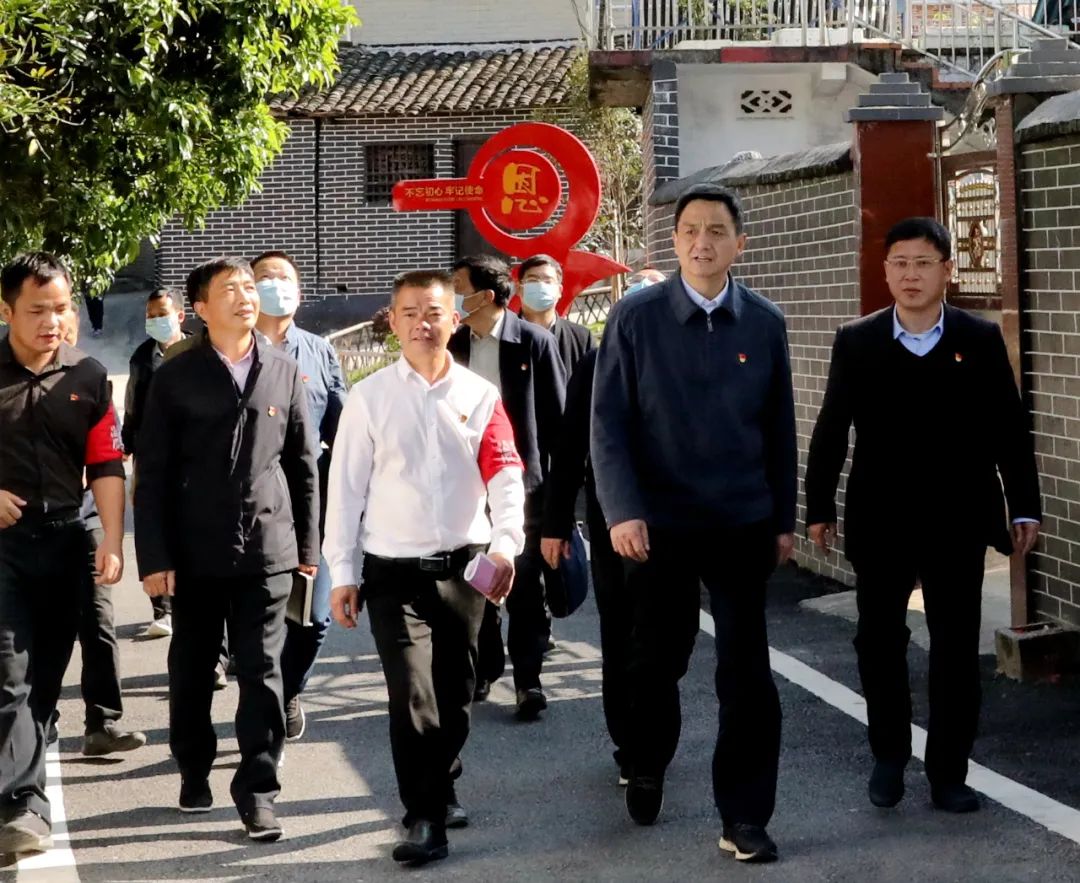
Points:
434	563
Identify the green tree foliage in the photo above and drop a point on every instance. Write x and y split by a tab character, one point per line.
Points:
613	136
116	115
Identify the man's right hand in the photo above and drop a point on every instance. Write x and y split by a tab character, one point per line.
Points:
161	583
822	535
631	539
10	508
345	605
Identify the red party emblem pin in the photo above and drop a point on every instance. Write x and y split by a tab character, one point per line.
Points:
74	396
272	411
958	357
742	358
305	378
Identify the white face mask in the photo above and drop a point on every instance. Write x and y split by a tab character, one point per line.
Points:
540	296
163	328
278	297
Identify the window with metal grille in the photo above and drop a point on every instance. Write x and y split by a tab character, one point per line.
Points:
389	163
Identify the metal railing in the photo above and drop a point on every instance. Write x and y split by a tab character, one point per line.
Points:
962	34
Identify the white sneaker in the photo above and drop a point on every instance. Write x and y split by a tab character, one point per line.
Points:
159	628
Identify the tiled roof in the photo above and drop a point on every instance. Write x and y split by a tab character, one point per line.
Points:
411	83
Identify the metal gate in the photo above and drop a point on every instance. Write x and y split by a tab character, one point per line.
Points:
971	211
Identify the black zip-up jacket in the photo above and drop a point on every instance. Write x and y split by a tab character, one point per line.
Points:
141	369
227	482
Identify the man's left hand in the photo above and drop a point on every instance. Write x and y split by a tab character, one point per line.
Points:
554	550
1024	536
785	545
108	563
503	580
308	569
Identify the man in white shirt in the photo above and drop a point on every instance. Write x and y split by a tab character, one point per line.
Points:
423	450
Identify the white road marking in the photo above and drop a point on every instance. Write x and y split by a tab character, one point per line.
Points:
1043	810
60	859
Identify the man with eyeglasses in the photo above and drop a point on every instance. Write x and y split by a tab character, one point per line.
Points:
931	393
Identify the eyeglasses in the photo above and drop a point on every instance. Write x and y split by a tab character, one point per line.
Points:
919	265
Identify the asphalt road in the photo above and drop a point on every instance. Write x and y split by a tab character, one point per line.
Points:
542	796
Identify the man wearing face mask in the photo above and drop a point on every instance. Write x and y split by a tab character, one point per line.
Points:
164	314
642	279
522	361
540	288
278	283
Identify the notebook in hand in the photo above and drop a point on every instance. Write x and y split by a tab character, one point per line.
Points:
298	607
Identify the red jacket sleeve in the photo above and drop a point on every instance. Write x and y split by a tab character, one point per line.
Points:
497	448
103	441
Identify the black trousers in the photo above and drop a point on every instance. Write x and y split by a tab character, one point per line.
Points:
254	607
95	309
530	623
616	624
425	627
734	565
952	591
42	581
100	653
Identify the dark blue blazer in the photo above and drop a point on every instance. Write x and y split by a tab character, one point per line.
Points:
533	390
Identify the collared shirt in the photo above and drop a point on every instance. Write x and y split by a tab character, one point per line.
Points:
918	344
323	381
416	466
707	305
53	426
239	369
484	353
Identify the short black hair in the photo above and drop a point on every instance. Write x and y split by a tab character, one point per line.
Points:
540	260
422	279
161	294
276	253
37	265
198	280
488	273
929	229
712	193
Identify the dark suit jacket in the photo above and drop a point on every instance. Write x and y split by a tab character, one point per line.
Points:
227	482
968	431
533	389
573	341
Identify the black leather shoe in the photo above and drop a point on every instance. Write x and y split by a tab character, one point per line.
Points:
886	784
954	798
456	817
195	796
645	798
530	703
481	691
749	843
424	843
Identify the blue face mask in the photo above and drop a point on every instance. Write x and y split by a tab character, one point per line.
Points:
459	304
278	297
163	328
540	296
637	286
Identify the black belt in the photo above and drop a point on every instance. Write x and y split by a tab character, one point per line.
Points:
440	562
37	521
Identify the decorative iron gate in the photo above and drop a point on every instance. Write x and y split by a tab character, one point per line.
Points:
970	206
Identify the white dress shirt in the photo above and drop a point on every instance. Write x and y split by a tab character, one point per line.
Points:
415	467
707	305
241	369
484	353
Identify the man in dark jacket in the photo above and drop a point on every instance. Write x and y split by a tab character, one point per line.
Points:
540	289
937	419
164	315
693	443
226	508
278	282
522	360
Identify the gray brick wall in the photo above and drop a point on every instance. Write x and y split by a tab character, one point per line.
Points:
802	253
343	246
1050	199
660	148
